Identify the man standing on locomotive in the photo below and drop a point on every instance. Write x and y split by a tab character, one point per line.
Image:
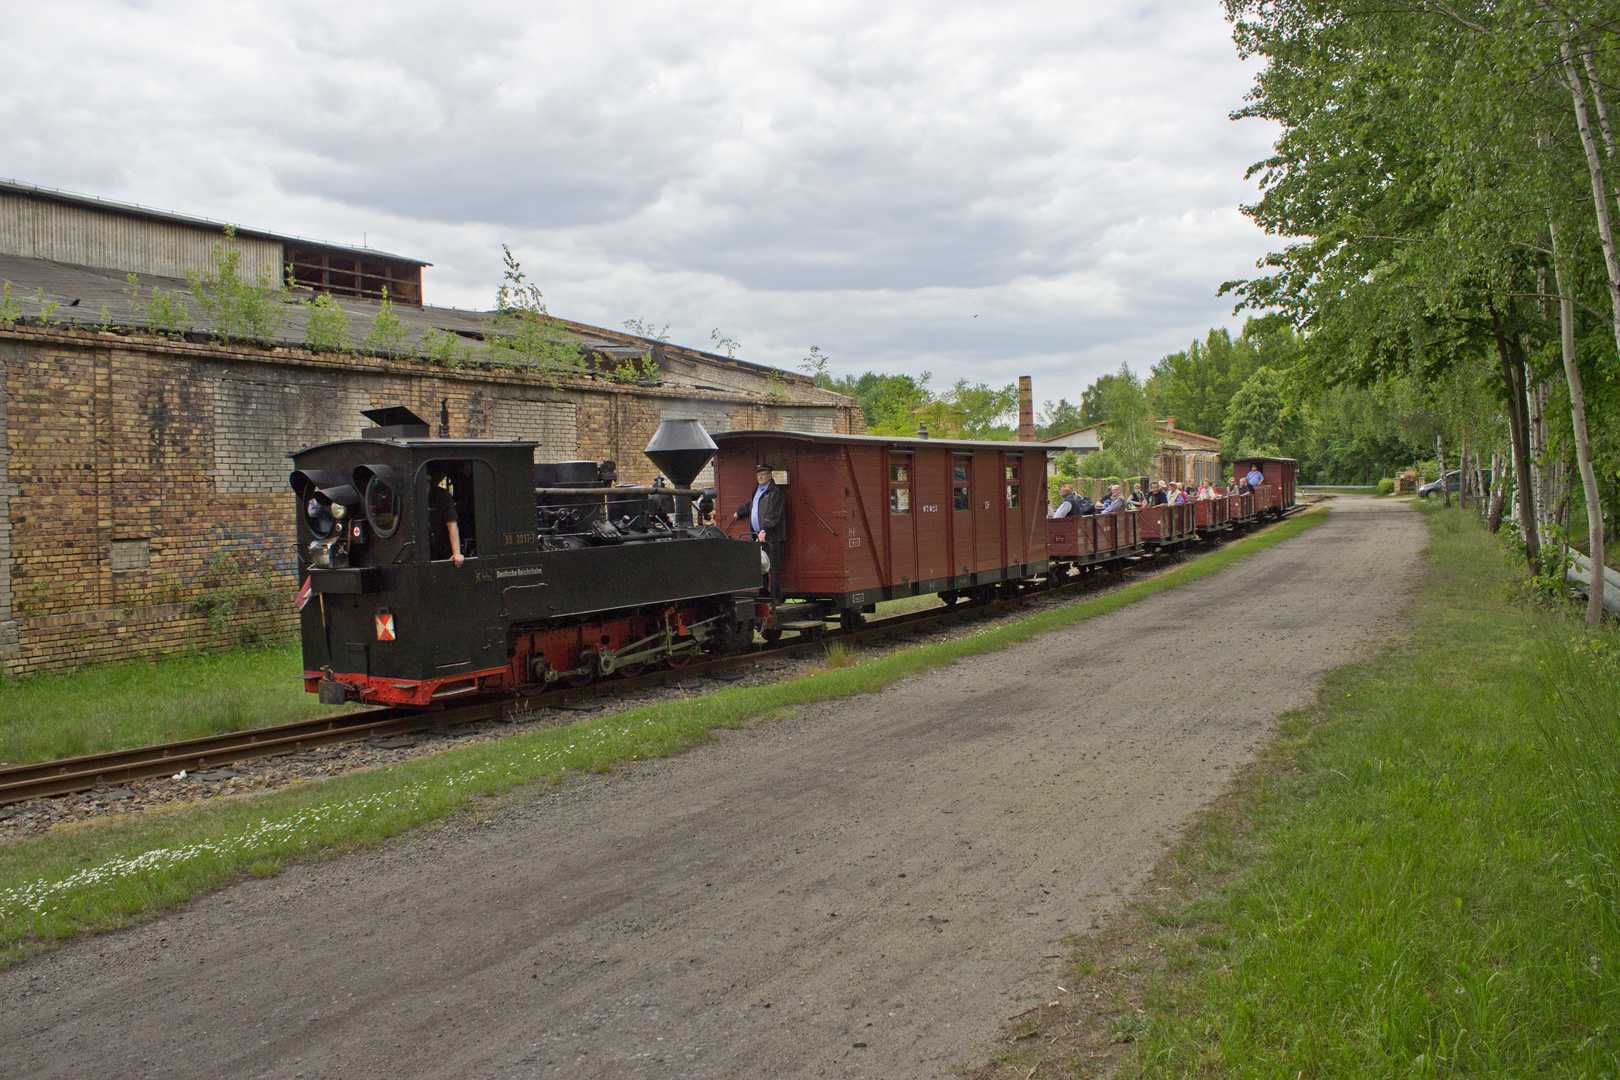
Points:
767	521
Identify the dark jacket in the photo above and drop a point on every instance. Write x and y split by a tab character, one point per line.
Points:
772	514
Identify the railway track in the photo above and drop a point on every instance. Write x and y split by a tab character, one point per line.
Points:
19	783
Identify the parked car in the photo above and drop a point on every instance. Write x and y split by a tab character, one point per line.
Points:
1453	482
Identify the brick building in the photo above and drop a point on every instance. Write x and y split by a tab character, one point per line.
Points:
143	477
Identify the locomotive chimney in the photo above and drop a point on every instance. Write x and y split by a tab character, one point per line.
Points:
1026	409
680	449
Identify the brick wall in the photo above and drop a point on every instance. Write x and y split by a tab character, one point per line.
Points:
142	479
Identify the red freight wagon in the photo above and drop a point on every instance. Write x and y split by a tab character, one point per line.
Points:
1279	473
1093	538
1167	525
872	518
1212	515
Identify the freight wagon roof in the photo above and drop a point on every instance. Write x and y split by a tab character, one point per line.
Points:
723	437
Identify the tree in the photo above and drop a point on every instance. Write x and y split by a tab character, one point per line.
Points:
1399	170
888	402
522	332
1094	401
1131	436
1259	420
1059	419
972	411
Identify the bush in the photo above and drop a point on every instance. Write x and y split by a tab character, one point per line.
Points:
1386	486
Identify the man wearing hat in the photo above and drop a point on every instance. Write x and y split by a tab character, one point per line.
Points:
767	523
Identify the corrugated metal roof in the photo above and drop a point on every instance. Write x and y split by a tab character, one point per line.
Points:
149	213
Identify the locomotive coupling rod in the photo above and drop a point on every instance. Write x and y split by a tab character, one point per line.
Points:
695	493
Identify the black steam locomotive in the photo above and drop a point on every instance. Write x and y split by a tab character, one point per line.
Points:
435	569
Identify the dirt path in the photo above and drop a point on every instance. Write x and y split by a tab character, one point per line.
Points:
866	890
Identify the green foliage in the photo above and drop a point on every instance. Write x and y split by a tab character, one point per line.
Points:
522	333
724	344
972	411
1131	433
1407	887
1580	675
1100	464
139	703
326	325
1065	467
388	331
1259	421
1386	486
1094	401
815	365
1059	418
235	589
888	402
636	369
10	310
235	308
445	349
646	329
1196	385
165	312
47	308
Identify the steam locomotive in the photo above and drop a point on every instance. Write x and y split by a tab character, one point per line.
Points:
433	569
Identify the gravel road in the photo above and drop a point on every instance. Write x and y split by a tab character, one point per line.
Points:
867	889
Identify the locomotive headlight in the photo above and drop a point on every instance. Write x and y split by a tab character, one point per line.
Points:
319	516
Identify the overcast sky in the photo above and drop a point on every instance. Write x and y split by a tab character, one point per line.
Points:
976	190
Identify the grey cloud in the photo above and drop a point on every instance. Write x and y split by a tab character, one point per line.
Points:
864	178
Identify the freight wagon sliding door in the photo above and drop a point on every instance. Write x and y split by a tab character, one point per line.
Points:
1013	492
962	560
902	524
931	487
818	522
987	515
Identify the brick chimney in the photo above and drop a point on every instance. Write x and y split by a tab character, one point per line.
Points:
1026	409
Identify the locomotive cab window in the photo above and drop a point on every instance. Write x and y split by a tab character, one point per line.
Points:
453	509
900	486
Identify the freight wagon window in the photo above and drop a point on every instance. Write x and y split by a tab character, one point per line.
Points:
1012	484
450	501
900	488
961	497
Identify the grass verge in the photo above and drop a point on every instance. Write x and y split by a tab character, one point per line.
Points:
1418	880
113	706
101	876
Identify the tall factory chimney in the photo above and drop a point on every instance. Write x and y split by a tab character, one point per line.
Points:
1026	409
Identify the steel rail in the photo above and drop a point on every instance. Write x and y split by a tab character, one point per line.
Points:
64	776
